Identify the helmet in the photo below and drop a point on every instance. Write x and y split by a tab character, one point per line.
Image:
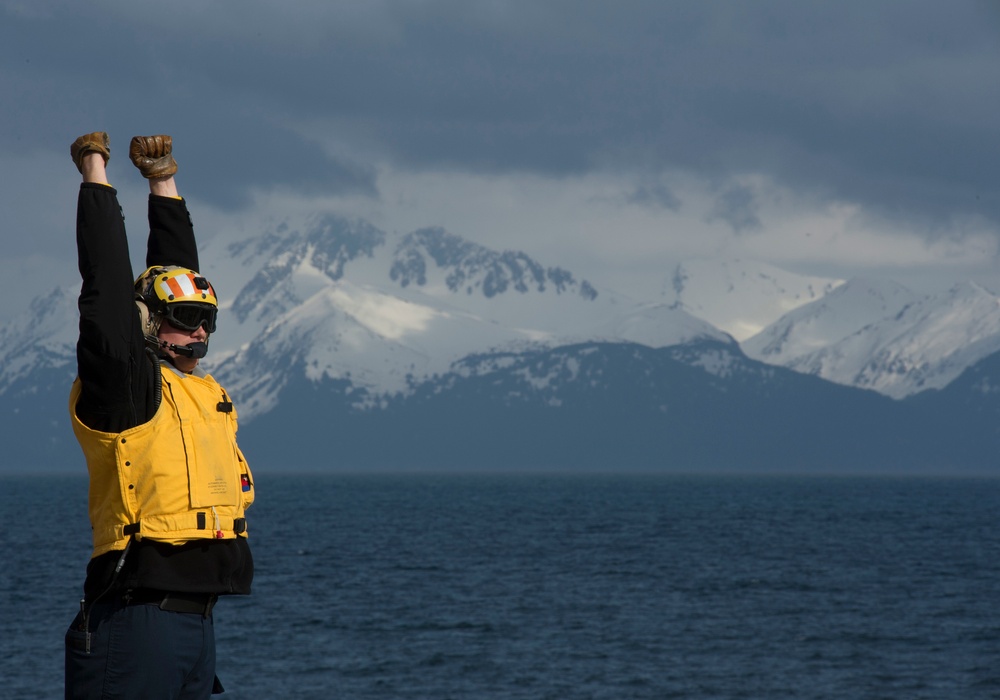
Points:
178	294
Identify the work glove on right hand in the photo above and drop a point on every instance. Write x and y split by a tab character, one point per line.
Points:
96	142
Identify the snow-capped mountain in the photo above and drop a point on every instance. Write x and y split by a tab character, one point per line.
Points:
741	297
341	299
878	335
42	338
332	329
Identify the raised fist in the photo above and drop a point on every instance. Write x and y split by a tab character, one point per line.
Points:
97	142
152	155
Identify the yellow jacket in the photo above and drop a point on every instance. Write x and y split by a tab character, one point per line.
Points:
178	477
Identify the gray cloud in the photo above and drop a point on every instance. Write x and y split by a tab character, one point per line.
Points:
891	105
738	207
656	195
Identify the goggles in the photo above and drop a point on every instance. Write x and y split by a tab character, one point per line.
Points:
189	316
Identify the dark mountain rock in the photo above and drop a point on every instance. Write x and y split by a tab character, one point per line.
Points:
607	407
474	268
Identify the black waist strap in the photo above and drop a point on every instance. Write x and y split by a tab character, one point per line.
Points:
200	603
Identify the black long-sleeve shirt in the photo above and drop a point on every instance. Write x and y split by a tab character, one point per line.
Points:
118	382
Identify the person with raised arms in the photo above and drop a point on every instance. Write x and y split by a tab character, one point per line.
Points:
169	485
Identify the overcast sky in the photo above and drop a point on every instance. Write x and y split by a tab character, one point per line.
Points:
612	138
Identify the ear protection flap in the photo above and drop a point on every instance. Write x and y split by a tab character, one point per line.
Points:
150	323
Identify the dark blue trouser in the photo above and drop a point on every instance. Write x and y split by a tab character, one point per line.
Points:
140	651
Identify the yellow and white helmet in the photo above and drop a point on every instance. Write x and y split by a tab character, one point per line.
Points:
181	296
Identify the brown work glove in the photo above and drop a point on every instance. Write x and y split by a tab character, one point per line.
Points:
97	142
151	154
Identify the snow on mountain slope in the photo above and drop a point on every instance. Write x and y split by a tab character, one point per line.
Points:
339	299
273	273
907	345
657	326
261	277
44	336
379	342
819	324
741	297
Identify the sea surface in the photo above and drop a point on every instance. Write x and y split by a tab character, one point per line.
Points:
395	586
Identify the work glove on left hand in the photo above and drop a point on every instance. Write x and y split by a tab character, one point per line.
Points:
152	155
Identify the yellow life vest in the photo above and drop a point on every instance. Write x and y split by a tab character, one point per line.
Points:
178	477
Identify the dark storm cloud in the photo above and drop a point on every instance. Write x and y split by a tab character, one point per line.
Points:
131	77
891	104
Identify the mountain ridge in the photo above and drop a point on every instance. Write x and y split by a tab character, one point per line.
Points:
879	335
426	349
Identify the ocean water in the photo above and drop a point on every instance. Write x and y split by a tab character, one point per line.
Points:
562	586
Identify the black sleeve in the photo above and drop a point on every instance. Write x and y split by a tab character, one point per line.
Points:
111	364
118	379
171	234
